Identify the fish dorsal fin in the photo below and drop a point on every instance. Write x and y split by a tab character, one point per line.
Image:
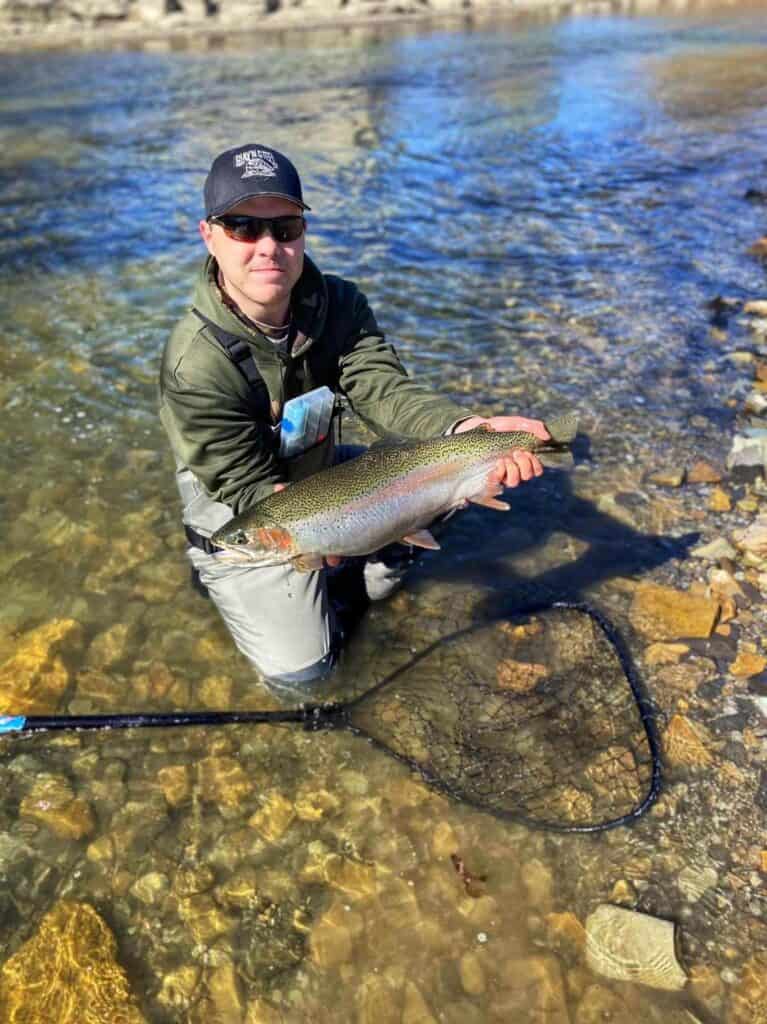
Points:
420	539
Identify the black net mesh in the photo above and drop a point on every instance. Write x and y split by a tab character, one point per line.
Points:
538	718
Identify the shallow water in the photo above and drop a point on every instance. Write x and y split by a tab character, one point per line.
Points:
539	213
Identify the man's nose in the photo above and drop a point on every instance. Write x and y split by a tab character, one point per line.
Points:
266	244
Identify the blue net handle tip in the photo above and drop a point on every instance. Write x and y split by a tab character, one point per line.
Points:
12	723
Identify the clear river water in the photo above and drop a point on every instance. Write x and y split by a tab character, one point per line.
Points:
540	213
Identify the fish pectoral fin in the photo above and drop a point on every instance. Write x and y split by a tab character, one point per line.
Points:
488	496
420	539
489	502
308	562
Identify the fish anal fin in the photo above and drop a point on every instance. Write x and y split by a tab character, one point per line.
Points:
490	502
308	562
420	539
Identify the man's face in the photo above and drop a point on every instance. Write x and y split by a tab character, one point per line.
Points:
259	276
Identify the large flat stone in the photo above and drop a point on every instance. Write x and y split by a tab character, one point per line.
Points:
663	613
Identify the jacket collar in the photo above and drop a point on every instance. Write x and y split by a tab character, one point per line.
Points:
308	305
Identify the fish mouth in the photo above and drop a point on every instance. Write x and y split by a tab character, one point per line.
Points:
265	545
236	553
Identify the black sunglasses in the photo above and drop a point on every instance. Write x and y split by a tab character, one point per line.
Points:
250	229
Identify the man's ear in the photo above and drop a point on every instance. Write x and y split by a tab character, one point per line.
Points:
206	233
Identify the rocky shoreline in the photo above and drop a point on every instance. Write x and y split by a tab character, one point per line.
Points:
95	24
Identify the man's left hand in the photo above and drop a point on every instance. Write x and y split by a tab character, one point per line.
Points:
520	465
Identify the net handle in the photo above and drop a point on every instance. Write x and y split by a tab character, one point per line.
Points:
311	716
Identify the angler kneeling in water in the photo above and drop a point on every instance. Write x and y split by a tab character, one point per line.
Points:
267	326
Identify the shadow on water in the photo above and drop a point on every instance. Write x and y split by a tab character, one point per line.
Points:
540	510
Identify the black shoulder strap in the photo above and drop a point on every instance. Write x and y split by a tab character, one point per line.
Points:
237	350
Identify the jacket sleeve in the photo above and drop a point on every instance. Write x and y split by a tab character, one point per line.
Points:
379	390
212	429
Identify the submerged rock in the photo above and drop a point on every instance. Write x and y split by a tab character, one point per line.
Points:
150	888
67	973
667	477
629	946
225	993
204	918
707	989
664	654
664	613
331	938
753	540
415	1009
351	876
179	986
275	816
719	500
261	1012
748	664
703	473
685	744
599	1004
539	884
536	991
35	678
111	646
693	881
748	1002
223	780
715	550
471	974
748	456
175	783
565	934
378	1001
52	802
519	676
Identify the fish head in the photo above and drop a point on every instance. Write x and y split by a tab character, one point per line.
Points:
255	541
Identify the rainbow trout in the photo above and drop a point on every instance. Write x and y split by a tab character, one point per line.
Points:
389	493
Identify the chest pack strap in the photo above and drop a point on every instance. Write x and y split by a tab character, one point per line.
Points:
238	350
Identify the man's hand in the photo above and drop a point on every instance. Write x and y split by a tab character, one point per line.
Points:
331	560
520	465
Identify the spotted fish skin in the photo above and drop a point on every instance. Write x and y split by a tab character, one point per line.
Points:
386	494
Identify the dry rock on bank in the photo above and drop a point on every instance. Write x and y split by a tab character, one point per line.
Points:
32	20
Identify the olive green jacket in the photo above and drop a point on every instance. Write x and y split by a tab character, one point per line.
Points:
220	427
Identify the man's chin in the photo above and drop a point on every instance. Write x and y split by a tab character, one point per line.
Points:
268	293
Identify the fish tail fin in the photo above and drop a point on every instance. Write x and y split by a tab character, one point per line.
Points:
563	429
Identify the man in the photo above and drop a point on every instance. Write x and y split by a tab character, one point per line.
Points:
267	325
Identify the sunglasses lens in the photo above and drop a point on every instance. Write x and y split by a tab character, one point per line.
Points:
287	229
242	228
250	229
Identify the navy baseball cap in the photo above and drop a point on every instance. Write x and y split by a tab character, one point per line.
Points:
248	171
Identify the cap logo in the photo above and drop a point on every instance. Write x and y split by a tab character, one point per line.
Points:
258	163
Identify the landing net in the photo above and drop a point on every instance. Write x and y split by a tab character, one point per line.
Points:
540	719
